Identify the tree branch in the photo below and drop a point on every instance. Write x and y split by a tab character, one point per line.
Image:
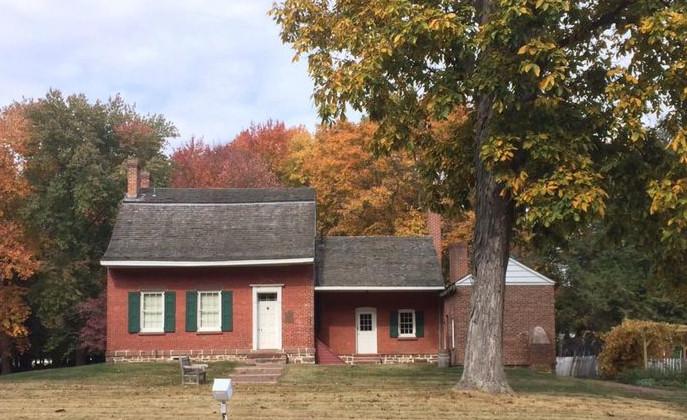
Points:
586	31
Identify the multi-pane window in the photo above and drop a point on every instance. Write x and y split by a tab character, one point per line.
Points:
209	311
152	312
365	322
406	323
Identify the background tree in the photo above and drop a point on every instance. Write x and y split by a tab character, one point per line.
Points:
75	165
357	192
544	111
17	262
254	158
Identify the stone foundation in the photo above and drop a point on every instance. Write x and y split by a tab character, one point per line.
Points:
298	355
304	356
389	359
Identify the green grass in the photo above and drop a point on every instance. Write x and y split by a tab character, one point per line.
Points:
152	391
522	380
146	374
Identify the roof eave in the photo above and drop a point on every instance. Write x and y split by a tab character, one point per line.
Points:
376	288
229	263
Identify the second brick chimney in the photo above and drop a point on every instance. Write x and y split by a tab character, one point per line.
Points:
458	261
434	228
133	178
145	179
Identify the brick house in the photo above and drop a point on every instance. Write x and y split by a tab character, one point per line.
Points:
241	273
528	319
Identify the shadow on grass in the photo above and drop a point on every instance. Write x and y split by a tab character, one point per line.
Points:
129	374
422	377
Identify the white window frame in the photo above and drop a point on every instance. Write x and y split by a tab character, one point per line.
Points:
217	328
414	333
142	312
453	333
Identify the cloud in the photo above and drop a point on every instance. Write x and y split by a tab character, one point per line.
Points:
211	67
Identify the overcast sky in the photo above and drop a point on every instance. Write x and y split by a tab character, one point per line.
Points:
209	66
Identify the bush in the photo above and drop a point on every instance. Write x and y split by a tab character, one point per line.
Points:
653	378
624	345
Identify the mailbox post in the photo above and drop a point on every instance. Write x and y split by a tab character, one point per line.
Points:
222	391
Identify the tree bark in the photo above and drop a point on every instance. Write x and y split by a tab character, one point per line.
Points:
483	365
5	355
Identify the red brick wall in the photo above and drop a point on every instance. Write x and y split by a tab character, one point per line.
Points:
336	320
525	308
297	307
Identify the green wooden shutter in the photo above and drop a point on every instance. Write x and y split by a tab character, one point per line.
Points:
170	311
134	312
191	310
419	324
393	324
227	310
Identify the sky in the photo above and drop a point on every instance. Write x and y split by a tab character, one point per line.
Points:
210	66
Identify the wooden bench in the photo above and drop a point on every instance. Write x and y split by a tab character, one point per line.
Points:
190	373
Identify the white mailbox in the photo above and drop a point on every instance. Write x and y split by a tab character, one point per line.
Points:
222	389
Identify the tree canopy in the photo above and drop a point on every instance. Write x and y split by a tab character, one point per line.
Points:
554	90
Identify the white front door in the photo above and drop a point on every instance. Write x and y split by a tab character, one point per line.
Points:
269	317
366	330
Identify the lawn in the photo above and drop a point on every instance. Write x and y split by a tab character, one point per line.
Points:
147	391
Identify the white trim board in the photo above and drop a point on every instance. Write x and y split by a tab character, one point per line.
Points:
532	278
230	263
375	288
267	289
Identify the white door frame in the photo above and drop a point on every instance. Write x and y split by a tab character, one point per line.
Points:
374	316
266	289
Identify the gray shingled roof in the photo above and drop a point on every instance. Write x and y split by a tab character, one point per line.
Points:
374	261
224	195
202	225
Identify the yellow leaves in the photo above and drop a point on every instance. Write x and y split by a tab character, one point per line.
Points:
547	83
624	345
528	66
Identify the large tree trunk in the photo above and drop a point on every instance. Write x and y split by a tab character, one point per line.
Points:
5	354
483	366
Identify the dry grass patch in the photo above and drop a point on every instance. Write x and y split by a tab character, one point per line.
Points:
146	391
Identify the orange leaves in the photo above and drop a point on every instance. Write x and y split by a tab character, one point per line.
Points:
625	344
17	262
359	194
255	158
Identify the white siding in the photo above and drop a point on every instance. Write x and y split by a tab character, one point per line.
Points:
516	274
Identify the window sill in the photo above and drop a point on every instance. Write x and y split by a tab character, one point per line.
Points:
407	338
208	332
151	333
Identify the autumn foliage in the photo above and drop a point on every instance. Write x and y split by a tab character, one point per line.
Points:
17	262
624	345
254	159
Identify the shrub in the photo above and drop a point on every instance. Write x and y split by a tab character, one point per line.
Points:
652	378
624	345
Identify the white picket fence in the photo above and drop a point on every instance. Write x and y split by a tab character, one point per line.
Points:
667	365
577	366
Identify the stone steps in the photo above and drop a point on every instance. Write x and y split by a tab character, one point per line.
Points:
261	373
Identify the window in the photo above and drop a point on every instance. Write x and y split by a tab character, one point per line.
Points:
209	311
365	322
453	333
406	323
152	312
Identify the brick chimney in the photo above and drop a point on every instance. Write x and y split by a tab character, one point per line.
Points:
133	178
145	179
458	261
434	228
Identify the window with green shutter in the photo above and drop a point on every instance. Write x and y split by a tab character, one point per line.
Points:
420	324
170	311
393	324
191	310
134	312
227	310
